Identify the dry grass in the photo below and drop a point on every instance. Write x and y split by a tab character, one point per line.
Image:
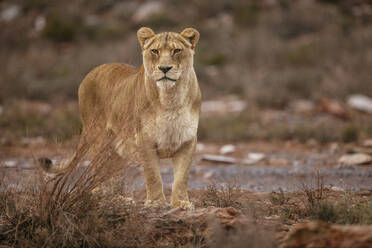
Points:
317	205
106	218
313	189
87	207
278	198
64	212
223	195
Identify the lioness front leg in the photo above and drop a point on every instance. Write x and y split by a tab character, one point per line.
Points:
182	161
154	185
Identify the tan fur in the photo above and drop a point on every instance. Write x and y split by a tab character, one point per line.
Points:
158	118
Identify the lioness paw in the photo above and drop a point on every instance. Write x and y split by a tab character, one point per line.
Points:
186	205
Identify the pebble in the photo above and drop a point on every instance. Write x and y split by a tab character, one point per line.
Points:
361	103
355	159
219	158
200	147
10	13
367	143
10	163
226	149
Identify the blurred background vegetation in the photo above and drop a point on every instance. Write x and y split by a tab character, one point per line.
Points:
289	62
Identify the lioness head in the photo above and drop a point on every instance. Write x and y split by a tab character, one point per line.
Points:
167	57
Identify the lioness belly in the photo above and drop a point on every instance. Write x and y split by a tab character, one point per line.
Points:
172	130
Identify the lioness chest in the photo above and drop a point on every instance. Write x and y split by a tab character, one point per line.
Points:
170	129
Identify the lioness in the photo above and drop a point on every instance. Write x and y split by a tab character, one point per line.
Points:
154	109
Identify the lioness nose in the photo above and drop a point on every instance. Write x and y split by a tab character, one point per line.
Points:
165	69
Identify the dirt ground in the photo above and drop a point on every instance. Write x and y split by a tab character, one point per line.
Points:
276	192
282	166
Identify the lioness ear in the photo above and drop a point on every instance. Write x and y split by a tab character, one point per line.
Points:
144	34
192	35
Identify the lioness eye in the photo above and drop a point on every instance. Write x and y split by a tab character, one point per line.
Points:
154	51
177	51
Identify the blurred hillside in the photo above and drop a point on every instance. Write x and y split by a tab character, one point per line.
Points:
269	53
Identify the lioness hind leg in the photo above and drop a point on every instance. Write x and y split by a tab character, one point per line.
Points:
182	161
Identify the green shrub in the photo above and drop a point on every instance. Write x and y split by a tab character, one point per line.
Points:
350	134
59	29
246	14
217	59
345	212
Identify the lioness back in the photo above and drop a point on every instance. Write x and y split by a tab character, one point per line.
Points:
96	94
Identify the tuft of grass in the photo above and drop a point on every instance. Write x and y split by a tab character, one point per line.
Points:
314	193
69	209
216	59
278	198
346	211
322	210
60	29
289	213
302	55
225	195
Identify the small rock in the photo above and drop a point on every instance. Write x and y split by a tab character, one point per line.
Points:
200	147
334	147
334	108
10	163
253	157
146	10
226	149
335	188
272	217
39	24
208	174
10	13
361	103
355	159
367	143
302	107
219	158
